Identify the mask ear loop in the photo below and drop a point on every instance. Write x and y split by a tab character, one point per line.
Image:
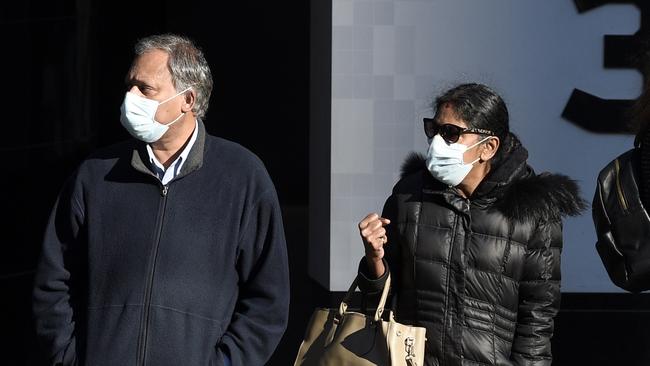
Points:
476	144
167	100
175	95
174	121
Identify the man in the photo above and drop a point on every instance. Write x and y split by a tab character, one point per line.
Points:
167	249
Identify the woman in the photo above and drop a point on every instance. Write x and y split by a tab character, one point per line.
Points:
472	238
620	206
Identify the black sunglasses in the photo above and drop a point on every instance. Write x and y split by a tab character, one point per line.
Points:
451	133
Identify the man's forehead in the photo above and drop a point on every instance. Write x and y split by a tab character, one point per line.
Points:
151	65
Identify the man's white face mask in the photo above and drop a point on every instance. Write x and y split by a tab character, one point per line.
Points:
138	117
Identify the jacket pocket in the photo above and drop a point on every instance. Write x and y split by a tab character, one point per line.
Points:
488	331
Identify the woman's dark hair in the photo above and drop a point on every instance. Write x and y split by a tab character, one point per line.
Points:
480	107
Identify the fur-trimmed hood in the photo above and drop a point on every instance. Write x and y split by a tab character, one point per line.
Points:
515	190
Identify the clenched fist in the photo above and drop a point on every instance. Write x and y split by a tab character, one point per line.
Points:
374	237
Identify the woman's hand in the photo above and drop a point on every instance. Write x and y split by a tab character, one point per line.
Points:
374	237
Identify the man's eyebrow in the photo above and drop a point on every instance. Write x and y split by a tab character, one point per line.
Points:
130	81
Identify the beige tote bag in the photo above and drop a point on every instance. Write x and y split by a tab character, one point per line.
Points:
338	337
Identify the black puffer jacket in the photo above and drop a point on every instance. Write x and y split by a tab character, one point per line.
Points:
622	223
481	274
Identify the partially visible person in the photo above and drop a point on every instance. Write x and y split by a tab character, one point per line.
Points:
168	248
620	206
472	237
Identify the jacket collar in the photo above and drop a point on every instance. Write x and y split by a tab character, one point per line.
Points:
512	168
139	156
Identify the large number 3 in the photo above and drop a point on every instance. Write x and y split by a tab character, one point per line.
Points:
610	115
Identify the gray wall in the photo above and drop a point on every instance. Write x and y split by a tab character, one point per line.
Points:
391	58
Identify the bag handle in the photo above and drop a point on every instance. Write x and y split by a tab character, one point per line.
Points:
343	307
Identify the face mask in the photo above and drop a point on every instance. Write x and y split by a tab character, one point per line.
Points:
138	117
445	161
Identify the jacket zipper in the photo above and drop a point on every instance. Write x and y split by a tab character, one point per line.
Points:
619	189
450	269
144	327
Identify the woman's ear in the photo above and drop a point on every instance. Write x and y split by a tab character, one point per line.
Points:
189	98
490	149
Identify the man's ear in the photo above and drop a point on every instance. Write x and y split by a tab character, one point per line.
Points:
189	98
490	148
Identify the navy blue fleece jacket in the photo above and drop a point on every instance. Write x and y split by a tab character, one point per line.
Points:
136	273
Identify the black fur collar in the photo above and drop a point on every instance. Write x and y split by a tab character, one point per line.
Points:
521	195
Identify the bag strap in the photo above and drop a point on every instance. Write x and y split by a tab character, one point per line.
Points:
343	307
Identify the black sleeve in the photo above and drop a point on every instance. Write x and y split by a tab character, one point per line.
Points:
626	261
262	309
539	297
52	305
611	256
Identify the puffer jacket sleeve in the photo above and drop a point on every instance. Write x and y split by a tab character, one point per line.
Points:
367	282
611	256
54	317
622	227
539	296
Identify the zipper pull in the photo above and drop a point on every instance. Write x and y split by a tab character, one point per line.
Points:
163	190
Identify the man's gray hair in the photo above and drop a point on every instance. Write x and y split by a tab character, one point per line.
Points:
186	64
